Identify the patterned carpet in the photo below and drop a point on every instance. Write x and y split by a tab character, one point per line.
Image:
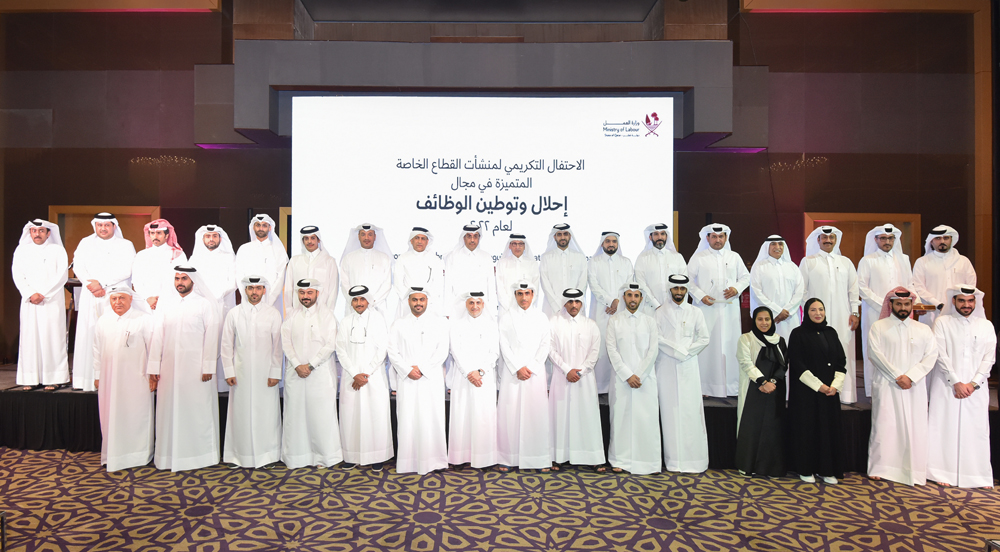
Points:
60	501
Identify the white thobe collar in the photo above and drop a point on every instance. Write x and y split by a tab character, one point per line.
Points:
904	322
774	261
716	251
312	254
671	305
310	312
363	317
885	253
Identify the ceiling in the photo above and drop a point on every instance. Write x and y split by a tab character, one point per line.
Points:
480	11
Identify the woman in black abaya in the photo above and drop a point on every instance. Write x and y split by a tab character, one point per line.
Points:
762	356
817	372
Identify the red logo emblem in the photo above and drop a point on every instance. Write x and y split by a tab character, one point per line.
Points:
652	124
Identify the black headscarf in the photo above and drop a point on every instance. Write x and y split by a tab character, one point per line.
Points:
807	322
756	331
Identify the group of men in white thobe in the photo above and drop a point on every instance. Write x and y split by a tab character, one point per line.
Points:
641	330
930	400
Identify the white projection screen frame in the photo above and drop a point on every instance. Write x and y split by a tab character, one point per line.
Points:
512	164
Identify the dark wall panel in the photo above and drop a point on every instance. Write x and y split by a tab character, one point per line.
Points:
856	42
112	41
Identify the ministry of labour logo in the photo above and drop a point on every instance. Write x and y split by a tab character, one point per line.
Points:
652	122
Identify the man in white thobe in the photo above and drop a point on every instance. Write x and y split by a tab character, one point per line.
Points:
418	266
718	277
367	261
883	267
657	261
682	335
215	260
265	256
468	267
516	263
903	352
958	414
101	261
310	434
563	266
475	348
940	268
832	278
524	435
418	347
251	360
607	272
365	428
776	283
313	262
182	361
574	413
39	271
633	344
120	349
153	267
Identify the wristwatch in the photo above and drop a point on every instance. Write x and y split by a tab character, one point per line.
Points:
482	373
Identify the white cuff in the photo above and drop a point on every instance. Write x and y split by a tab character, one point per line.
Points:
811	381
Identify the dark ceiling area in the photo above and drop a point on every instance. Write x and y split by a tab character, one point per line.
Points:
480	11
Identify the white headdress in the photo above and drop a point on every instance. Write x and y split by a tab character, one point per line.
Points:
138	303
310	231
107	217
937	232
562	227
657	227
273	238
714	228
600	246
962	289
353	243
200	287
812	243
763	255
517	237
421	231
53	237
225	244
871	245
360	291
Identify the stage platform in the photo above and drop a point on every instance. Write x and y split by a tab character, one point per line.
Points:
68	419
